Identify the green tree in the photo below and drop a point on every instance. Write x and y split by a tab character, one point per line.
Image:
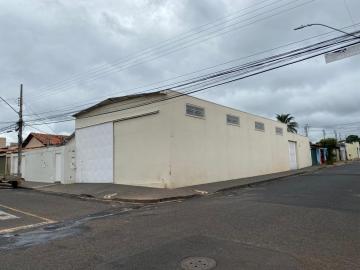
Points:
330	144
289	121
352	138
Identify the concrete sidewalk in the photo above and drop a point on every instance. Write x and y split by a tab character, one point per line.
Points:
137	194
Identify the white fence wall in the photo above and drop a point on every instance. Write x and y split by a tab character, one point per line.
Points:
39	165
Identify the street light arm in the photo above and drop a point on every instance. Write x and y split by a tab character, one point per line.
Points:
327	26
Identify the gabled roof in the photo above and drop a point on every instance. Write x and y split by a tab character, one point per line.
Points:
116	100
46	139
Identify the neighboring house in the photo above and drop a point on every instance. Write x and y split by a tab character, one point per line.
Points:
318	154
136	140
2	162
2	142
3	150
351	151
5	160
47	158
36	140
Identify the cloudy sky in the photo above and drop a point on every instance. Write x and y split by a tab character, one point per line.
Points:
69	54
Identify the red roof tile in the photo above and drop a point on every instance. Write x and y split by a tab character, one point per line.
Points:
46	139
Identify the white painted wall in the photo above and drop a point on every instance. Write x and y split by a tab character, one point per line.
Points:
94	154
172	150
70	161
39	165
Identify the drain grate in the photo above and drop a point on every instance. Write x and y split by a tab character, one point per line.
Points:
198	263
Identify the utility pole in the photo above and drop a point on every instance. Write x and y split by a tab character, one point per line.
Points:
336	135
20	131
324	134
306	128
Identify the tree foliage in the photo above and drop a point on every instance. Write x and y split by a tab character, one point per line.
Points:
330	144
352	138
289	121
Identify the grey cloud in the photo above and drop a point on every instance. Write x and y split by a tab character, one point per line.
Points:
49	41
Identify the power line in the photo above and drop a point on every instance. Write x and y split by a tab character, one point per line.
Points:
166	43
172	50
28	107
9	105
300	60
71	107
192	78
275	61
179	37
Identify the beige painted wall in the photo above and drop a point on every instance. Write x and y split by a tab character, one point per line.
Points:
107	115
209	150
352	150
171	149
34	143
142	153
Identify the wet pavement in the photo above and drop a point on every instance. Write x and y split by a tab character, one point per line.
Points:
301	222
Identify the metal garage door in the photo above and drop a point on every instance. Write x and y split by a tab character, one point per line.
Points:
94	154
141	153
293	155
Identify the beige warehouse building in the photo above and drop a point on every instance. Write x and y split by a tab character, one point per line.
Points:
182	141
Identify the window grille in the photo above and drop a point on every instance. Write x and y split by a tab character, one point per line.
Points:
195	110
232	120
259	126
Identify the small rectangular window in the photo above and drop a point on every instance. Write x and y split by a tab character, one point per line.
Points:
279	131
259	126
195	110
232	120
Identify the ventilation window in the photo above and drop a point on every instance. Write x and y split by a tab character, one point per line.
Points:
232	120
279	131
196	111
259	126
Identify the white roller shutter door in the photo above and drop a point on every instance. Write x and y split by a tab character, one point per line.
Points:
94	154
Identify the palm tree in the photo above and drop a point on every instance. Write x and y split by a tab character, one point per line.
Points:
288	120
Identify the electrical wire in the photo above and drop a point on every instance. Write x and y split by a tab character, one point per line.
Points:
172	50
70	108
292	55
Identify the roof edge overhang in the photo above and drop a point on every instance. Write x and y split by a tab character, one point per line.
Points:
116	100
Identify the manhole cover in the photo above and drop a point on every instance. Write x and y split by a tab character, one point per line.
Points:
199	263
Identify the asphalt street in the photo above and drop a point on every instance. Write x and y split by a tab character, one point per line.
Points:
302	222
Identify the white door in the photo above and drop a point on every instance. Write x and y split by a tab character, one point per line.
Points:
23	166
342	154
94	154
58	166
293	155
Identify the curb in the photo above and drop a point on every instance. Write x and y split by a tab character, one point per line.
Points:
90	197
175	198
69	195
268	180
159	200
